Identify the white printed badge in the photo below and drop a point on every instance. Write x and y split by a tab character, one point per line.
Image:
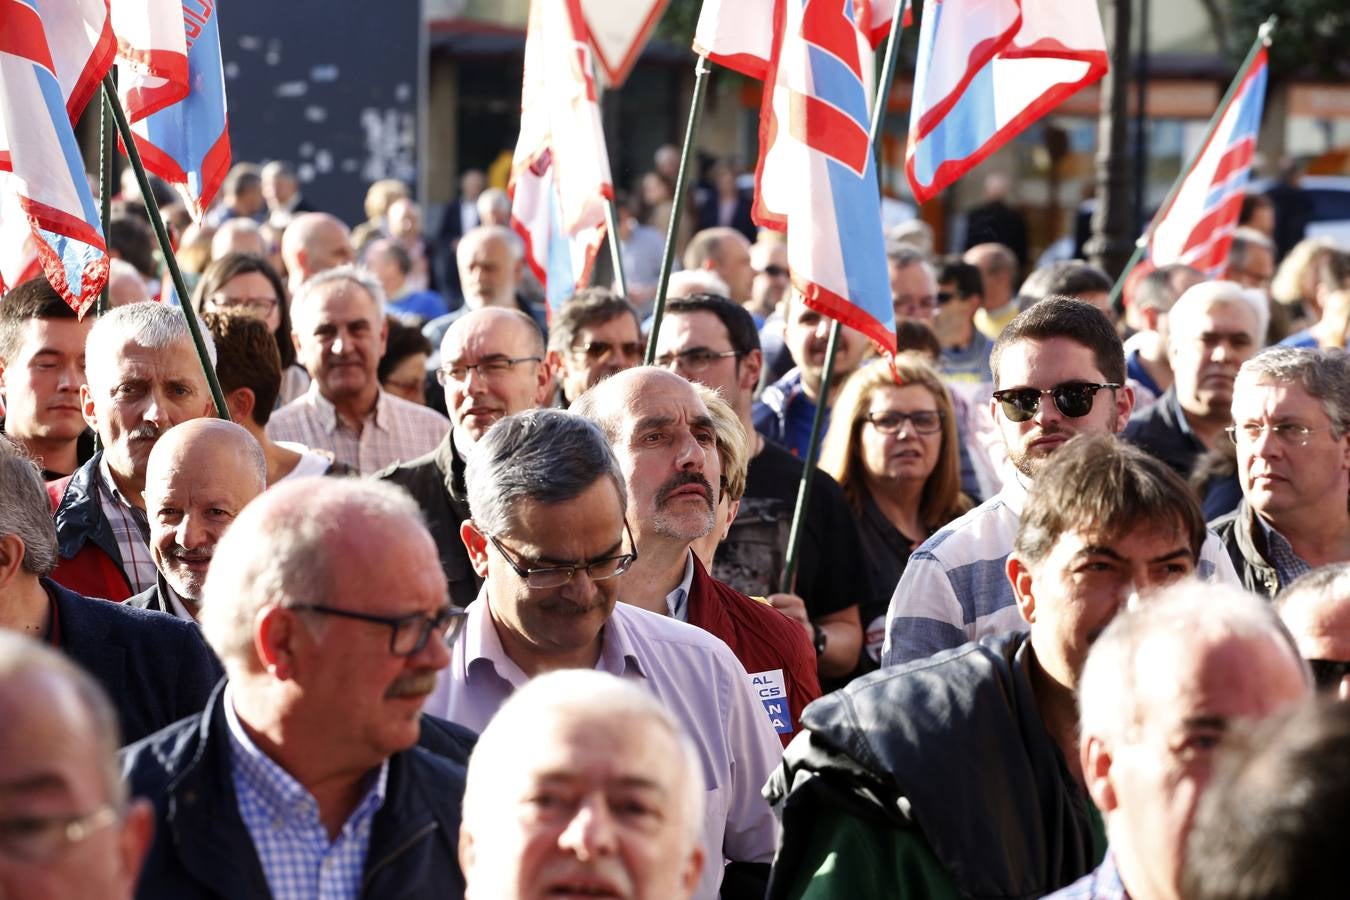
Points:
771	689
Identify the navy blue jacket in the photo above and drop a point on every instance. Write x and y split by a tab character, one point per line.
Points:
155	667
203	851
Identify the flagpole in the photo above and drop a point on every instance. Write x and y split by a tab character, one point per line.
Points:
883	93
165	247
1141	246
612	233
105	169
701	71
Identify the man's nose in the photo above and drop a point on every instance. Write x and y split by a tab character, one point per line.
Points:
192	532
157	410
591	832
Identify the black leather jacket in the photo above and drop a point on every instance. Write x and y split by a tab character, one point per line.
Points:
1246	546
202	848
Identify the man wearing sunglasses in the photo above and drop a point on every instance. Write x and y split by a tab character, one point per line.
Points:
1291	425
492	365
593	335
1059	370
312	771
549	538
1316	610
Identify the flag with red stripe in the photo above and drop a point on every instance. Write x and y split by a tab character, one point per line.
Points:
1196	227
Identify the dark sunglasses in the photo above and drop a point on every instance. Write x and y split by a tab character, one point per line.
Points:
599	350
775	271
945	297
1073	399
1327	673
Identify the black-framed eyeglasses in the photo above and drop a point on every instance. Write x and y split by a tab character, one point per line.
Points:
488	367
1072	398
37	839
1290	434
544	577
695	360
924	421
1327	673
602	350
263	306
408	634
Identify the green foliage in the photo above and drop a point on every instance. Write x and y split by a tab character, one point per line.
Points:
1310	38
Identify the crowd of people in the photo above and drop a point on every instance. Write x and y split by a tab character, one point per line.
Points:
460	599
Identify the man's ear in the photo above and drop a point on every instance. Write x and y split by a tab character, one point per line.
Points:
11	557
240	403
1019	574
476	543
752	365
274	635
1124	406
733	508
1095	758
2	375
133	843
87	407
548	373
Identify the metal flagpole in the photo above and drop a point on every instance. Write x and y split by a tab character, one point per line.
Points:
818	420
612	233
105	187
165	248
1141	246
701	71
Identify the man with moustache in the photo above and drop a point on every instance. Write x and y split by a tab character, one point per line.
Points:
664	437
41	370
1059	370
958	775
200	476
312	772
143	377
492	365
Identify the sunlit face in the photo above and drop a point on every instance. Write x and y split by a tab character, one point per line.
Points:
1205	351
913	292
136	394
807	336
1258	268
191	498
408	379
250	292
1044	365
487	271
614	344
51	774
734	266
772	276
340	337
478	400
41	384
1186	700
592	809
667	448
1073	593
1279	477
699	331
907	455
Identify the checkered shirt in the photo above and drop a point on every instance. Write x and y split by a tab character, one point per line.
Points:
1288	564
1102	883
394	431
131	528
282	818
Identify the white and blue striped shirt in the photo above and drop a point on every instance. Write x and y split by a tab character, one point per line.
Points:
282	818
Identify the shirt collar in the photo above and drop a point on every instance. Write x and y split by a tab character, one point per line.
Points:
327	415
110	486
677	601
276	788
1014	491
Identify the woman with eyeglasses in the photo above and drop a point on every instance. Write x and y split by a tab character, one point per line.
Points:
243	282
892	446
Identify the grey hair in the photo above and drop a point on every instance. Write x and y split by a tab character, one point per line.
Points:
25	510
558	695
906	255
280	552
147	324
544	455
1193	611
1324	374
351	274
696	281
476	236
22	655
1202	297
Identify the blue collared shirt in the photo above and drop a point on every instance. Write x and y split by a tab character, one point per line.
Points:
1102	883
282	818
677	601
1280	554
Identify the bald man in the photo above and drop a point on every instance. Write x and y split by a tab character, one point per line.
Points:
313	243
492	365
201	474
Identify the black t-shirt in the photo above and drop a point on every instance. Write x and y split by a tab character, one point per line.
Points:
84	450
830	572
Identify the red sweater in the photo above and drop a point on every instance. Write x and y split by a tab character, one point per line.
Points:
773	648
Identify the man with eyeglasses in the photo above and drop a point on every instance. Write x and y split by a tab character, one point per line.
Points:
312	771
549	538
1212	330
1291	424
492	365
913	286
592	336
710	340
67	826
1060	371
1316	610
339	327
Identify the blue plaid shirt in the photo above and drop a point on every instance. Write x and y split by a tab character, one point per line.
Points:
1102	883
282	818
1288	564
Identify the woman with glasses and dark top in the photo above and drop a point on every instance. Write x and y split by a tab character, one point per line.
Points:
893	447
242	282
